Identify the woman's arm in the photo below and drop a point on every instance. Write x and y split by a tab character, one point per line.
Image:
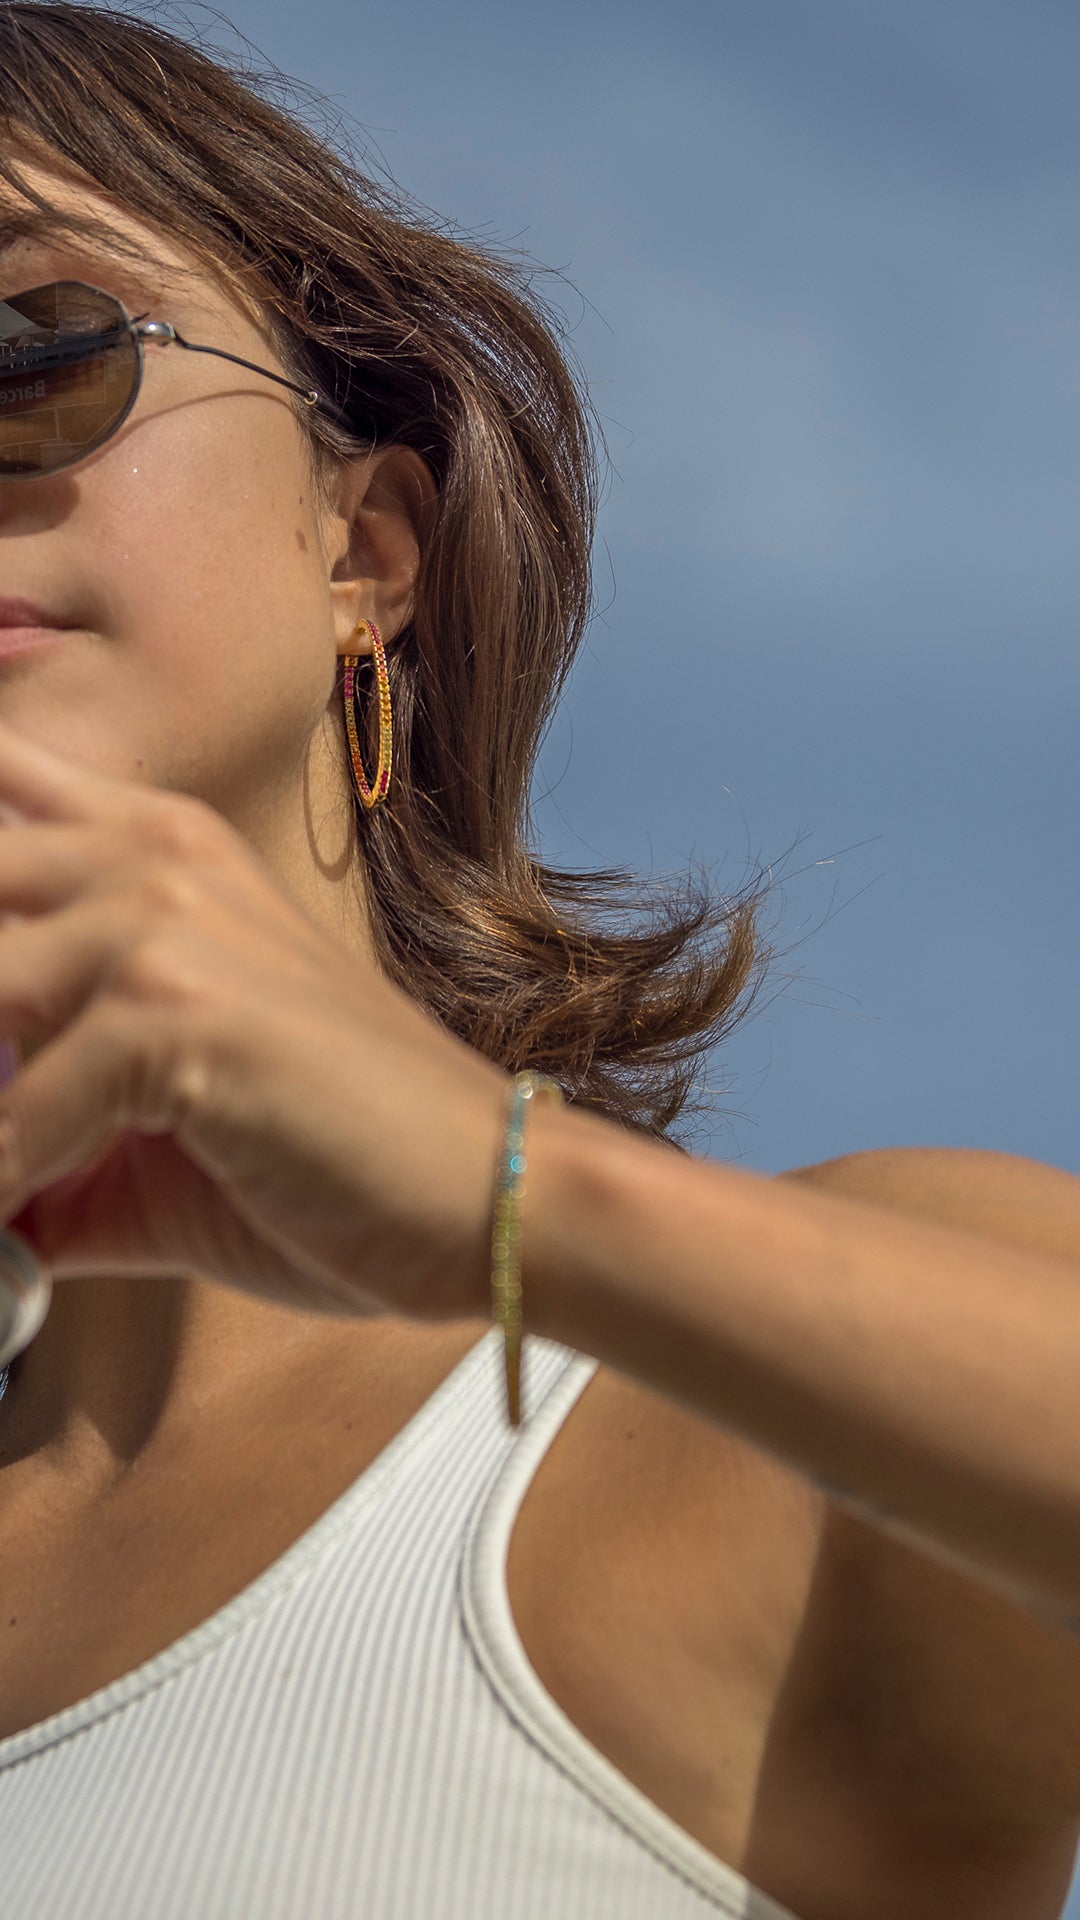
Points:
929	1373
205	1104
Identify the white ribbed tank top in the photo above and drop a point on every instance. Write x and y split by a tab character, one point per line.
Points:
358	1735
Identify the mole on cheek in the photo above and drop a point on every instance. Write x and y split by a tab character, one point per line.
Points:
300	541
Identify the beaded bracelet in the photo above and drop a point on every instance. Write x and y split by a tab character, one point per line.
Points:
506	1231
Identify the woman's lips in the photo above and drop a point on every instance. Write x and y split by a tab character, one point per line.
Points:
25	625
17	612
26	639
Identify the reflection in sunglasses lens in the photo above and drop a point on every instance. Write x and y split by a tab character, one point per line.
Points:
67	372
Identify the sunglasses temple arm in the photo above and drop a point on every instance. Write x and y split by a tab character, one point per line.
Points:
308	394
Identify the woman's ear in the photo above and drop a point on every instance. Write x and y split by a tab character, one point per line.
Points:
387	506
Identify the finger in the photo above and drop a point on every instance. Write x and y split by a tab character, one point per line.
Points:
46	867
51	967
106	1074
36	783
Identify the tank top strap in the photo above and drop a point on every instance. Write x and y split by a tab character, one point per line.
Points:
489	1625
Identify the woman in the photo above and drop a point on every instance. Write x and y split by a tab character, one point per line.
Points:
765	1607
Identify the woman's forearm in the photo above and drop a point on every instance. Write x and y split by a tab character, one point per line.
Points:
930	1374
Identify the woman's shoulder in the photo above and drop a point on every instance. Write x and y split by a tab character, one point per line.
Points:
627	1434
1004	1196
716	1594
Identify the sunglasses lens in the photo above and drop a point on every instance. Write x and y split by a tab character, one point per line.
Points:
68	367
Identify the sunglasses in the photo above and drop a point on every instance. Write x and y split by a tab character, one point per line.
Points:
71	365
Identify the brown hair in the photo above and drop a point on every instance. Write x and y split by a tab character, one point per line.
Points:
424	341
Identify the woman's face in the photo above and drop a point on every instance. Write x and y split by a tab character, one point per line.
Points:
210	591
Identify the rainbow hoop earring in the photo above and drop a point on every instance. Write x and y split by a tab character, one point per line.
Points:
372	795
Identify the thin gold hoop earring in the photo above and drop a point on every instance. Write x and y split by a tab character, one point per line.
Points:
370	795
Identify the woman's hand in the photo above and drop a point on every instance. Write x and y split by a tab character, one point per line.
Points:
223	1090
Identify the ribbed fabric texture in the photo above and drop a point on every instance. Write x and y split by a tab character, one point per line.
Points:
358	1735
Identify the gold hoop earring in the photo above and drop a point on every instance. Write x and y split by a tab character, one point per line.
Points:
371	796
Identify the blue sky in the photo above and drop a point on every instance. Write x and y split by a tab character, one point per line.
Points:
823	271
